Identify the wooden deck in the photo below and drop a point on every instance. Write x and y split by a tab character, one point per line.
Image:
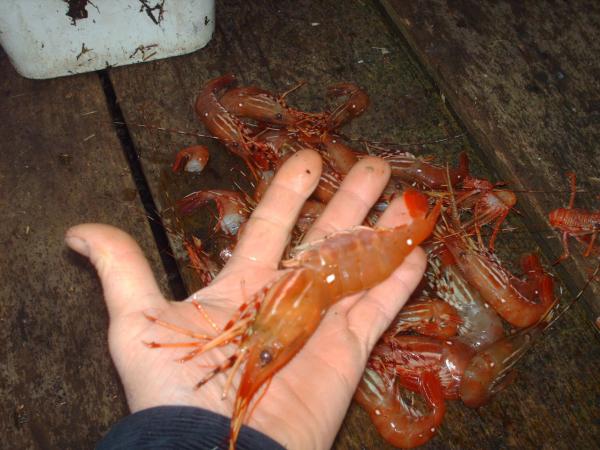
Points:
516	86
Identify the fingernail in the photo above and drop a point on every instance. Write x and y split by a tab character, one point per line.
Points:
78	244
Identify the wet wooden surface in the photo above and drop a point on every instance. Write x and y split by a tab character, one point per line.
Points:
59	168
523	77
553	404
321	45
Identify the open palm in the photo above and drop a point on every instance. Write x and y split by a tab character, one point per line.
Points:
307	399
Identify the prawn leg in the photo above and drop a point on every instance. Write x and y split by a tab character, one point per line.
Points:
588	250
176	328
565	245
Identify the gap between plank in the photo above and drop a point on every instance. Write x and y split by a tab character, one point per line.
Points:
174	279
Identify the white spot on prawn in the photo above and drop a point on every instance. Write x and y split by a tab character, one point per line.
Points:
492	364
205	114
502	300
377	412
194	166
240	105
449	342
432	430
231	223
330	278
353	106
409	242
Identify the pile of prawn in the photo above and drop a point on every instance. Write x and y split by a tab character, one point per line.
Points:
460	335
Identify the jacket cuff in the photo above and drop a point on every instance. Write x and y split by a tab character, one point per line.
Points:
180	427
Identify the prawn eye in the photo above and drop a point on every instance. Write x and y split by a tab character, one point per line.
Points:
265	357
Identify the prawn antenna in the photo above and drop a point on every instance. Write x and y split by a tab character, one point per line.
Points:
574	300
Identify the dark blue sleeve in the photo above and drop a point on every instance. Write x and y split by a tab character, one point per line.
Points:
180	427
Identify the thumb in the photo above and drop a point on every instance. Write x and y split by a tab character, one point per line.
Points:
127	280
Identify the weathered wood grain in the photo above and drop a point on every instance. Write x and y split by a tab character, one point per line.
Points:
59	166
276	45
523	77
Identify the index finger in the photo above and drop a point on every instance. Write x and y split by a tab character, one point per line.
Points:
351	203
267	232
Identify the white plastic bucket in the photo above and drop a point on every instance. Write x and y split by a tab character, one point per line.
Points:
53	38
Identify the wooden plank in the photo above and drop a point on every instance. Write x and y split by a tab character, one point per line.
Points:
322	43
261	50
525	83
61	164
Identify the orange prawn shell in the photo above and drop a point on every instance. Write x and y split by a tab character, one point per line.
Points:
294	305
478	383
369	255
214	116
258	104
574	220
428	316
396	424
513	299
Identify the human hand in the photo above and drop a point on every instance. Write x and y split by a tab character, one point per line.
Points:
308	398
